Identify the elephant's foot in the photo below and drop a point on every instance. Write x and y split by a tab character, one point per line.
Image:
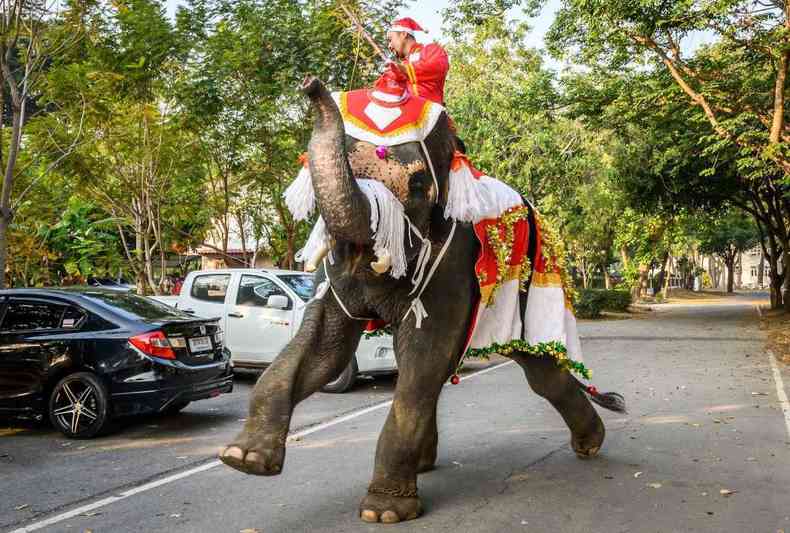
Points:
427	460
426	466
389	506
587	444
252	453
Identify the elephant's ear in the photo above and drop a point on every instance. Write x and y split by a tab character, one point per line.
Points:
440	145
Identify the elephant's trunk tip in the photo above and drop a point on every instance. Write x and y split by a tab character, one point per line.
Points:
311	86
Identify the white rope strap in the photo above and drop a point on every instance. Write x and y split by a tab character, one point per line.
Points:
337	297
433	172
417	306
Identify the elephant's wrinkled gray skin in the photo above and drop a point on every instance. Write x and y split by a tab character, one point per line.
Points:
426	357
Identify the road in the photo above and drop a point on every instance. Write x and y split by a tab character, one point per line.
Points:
705	416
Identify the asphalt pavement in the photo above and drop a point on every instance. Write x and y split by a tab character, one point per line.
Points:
705	446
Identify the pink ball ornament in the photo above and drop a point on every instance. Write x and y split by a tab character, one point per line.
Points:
382	152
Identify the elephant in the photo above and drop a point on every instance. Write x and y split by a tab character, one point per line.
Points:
426	356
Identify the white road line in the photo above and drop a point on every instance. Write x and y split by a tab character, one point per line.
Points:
35	526
780	391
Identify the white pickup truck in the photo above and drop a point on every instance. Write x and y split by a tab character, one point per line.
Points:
260	311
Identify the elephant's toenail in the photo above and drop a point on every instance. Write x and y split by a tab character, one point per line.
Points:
233	452
369	516
390	517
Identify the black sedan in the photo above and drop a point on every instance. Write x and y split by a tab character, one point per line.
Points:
84	356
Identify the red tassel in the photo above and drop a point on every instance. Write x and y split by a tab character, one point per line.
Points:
455	380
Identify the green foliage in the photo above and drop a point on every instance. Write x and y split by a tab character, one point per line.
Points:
591	302
84	242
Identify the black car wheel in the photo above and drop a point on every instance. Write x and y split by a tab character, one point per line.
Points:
345	380
79	406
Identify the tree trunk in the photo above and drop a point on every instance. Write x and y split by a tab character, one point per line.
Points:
729	261
760	269
607	280
663	272
641	289
4	225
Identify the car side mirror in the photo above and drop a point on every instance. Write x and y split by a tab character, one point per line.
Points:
278	301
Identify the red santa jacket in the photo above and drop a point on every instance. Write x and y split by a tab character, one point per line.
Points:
427	66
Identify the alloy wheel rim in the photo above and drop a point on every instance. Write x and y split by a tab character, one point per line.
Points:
76	406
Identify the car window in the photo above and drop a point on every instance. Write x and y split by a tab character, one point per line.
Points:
72	318
210	288
302	284
255	291
134	307
32	316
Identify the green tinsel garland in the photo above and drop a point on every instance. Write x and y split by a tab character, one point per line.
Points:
553	349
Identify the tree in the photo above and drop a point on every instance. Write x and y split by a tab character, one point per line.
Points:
31	33
735	86
727	236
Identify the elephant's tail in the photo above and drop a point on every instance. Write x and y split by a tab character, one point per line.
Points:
608	400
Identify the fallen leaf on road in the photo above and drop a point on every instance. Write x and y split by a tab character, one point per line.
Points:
727	492
751	459
21	507
654	485
90	514
181	457
250	530
456	463
175	515
65	444
703	493
637	474
759	394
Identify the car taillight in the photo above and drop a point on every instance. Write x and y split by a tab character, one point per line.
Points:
155	344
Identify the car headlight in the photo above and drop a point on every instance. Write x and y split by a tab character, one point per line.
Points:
219	338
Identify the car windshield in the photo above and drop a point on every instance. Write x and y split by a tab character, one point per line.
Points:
134	307
302	284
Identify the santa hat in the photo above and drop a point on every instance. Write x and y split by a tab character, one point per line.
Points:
406	24
390	89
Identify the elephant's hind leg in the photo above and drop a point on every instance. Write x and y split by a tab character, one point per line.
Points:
318	353
560	389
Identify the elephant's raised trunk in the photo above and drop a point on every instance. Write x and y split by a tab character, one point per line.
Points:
342	204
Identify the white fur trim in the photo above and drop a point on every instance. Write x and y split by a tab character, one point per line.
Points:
390	98
300	196
473	200
402	28
499	322
382	116
410	135
388	224
318	239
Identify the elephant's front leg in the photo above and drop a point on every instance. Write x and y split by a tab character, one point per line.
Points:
318	353
407	444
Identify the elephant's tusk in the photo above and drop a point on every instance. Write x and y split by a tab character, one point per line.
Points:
382	264
315	260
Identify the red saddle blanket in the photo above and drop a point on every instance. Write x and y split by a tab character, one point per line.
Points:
369	119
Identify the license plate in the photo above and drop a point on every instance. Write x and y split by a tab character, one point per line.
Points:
383	353
200	344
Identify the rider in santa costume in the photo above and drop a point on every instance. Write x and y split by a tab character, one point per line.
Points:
423	67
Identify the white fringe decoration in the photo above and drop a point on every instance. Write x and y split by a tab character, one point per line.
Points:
472	200
318	240
300	196
388	223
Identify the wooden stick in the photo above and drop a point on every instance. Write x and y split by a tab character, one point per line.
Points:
362	30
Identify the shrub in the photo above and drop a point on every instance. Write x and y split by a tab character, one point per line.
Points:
591	302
